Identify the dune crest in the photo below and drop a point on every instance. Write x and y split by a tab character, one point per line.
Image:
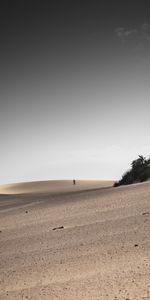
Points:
53	186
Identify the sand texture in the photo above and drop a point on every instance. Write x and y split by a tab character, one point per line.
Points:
53	186
75	242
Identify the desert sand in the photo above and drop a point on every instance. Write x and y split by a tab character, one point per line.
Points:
53	186
100	248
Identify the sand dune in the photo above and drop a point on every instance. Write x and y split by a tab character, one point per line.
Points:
52	186
101	249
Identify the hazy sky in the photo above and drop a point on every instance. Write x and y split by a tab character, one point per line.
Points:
74	88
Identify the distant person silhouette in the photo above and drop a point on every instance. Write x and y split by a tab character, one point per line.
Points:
74	182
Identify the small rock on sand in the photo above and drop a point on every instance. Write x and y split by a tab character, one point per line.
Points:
60	227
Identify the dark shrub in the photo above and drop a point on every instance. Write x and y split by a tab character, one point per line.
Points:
139	172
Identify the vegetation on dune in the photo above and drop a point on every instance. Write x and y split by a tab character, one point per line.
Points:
139	172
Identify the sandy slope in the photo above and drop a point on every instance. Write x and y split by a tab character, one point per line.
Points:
103	251
52	186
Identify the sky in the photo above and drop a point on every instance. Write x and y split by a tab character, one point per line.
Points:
74	88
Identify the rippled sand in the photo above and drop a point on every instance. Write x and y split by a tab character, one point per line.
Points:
101	251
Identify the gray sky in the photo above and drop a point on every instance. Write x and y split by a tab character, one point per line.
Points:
74	90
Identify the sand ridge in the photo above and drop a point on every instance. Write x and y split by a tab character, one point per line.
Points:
52	186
